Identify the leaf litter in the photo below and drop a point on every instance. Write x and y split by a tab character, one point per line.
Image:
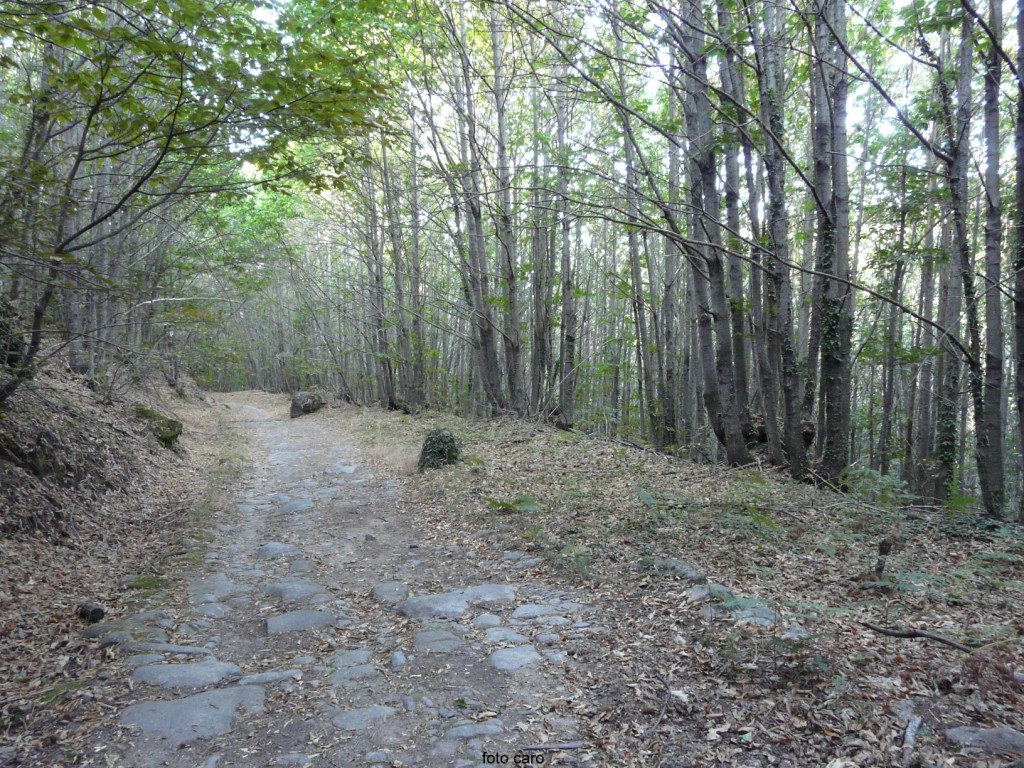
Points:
675	682
669	681
92	511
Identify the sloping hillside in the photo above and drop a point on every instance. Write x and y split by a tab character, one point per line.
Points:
775	664
92	507
736	602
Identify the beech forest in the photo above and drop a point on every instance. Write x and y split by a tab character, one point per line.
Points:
745	232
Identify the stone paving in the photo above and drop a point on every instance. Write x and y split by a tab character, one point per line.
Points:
322	631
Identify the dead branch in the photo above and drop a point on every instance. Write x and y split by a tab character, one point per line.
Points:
553	747
909	736
916	633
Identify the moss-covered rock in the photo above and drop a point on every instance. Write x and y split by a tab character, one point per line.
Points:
440	448
304	403
166	429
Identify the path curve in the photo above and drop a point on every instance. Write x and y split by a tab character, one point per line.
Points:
323	630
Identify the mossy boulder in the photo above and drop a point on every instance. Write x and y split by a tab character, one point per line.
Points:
166	429
440	448
304	403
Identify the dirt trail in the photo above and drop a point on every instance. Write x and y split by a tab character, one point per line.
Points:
322	630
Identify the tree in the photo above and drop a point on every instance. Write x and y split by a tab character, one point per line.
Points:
646	222
122	111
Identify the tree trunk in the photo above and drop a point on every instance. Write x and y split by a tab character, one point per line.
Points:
476	247
957	133
1018	255
567	346
990	435
734	246
543	275
505	231
892	329
391	206
418	389
837	312
697	109
645	373
669	301
778	304
374	258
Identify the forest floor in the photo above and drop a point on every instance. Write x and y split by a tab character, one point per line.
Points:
294	592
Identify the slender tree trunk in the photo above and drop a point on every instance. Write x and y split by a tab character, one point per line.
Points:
374	257
948	377
476	247
645	376
766	371
391	206
837	329
669	301
824	221
778	305
923	448
418	389
957	130
645	372
543	275
1018	255
567	347
991	433
506	233
892	329
737	304
707	204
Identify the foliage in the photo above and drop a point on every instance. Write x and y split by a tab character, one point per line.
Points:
870	485
521	503
113	112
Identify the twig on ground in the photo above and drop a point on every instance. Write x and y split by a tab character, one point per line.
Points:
553	747
916	633
909	735
664	708
905	711
645	448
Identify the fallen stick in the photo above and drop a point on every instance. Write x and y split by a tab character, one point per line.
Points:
913	724
553	747
916	633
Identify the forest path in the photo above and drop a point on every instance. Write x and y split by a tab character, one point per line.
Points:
323	630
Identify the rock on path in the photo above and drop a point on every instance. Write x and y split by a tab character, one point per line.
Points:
197	675
298	621
517	657
200	716
449	605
